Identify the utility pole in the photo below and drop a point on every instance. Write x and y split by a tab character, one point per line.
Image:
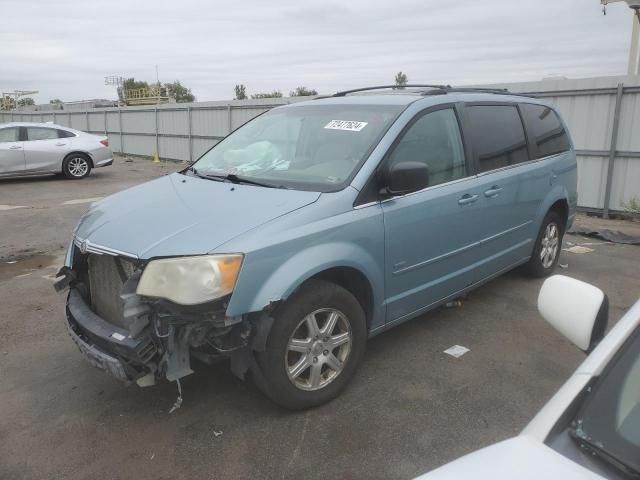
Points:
634	51
634	48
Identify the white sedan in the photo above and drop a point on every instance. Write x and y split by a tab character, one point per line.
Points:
590	429
37	148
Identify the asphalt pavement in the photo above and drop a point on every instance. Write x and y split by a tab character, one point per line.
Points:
409	409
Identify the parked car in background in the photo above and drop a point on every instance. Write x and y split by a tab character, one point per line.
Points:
37	148
315	226
590	429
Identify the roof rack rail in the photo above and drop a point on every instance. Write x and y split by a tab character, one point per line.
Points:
432	90
496	91
451	89
344	93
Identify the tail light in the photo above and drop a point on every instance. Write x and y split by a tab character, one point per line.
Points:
105	142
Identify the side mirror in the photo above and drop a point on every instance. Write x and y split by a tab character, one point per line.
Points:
576	309
406	177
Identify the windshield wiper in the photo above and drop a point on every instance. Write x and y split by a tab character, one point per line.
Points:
234	178
217	178
598	449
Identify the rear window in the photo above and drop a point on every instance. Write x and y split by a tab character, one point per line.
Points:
40	133
497	136
547	132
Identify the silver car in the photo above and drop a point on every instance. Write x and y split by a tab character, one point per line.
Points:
36	148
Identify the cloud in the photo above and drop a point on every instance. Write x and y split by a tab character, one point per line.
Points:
65	48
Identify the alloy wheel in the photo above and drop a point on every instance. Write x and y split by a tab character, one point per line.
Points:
318	349
549	244
78	166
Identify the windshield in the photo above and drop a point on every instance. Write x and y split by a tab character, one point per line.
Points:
610	417
310	147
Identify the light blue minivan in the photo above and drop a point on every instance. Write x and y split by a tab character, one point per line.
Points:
314	227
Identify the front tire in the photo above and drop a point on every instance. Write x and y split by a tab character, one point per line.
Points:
316	342
548	245
76	166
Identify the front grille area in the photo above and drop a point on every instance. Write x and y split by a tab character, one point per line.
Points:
107	274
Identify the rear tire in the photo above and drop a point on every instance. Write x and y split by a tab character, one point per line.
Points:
76	166
316	342
546	251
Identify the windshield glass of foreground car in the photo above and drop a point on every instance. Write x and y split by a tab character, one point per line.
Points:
609	421
307	147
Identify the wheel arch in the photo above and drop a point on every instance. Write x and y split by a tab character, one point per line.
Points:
352	280
558	201
561	206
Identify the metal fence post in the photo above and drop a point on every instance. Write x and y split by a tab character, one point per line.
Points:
86	119
612	149
189	126
69	119
157	143
106	130
120	128
54	116
229	118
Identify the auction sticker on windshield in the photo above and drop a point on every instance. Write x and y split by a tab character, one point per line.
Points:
349	125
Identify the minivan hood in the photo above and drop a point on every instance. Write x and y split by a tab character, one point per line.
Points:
181	215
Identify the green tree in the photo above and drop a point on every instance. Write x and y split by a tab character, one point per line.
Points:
133	84
303	92
401	81
55	101
8	103
26	101
241	92
181	93
274	94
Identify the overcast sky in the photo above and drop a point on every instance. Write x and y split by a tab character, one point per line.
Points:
65	48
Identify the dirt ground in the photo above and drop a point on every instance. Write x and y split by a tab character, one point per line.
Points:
409	409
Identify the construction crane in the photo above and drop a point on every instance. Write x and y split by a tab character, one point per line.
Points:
9	100
634	49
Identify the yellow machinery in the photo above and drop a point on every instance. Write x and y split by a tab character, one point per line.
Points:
146	96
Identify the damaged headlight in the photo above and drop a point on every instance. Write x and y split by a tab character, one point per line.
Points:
190	280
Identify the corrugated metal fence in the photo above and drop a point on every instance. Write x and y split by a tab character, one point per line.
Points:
603	115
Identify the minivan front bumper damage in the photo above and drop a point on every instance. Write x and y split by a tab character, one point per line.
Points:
106	346
158	339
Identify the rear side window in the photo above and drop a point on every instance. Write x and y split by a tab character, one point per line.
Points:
39	133
546	130
8	135
497	136
65	134
434	139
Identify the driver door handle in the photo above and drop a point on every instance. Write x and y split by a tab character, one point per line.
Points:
15	147
493	192
60	144
467	198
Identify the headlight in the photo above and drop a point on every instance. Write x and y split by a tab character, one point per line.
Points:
190	280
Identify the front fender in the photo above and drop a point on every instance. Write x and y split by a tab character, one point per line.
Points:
293	272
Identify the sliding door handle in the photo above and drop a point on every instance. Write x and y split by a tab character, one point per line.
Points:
467	198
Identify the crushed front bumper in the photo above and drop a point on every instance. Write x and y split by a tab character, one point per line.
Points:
106	346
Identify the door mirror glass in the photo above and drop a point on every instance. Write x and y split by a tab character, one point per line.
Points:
576	309
406	177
